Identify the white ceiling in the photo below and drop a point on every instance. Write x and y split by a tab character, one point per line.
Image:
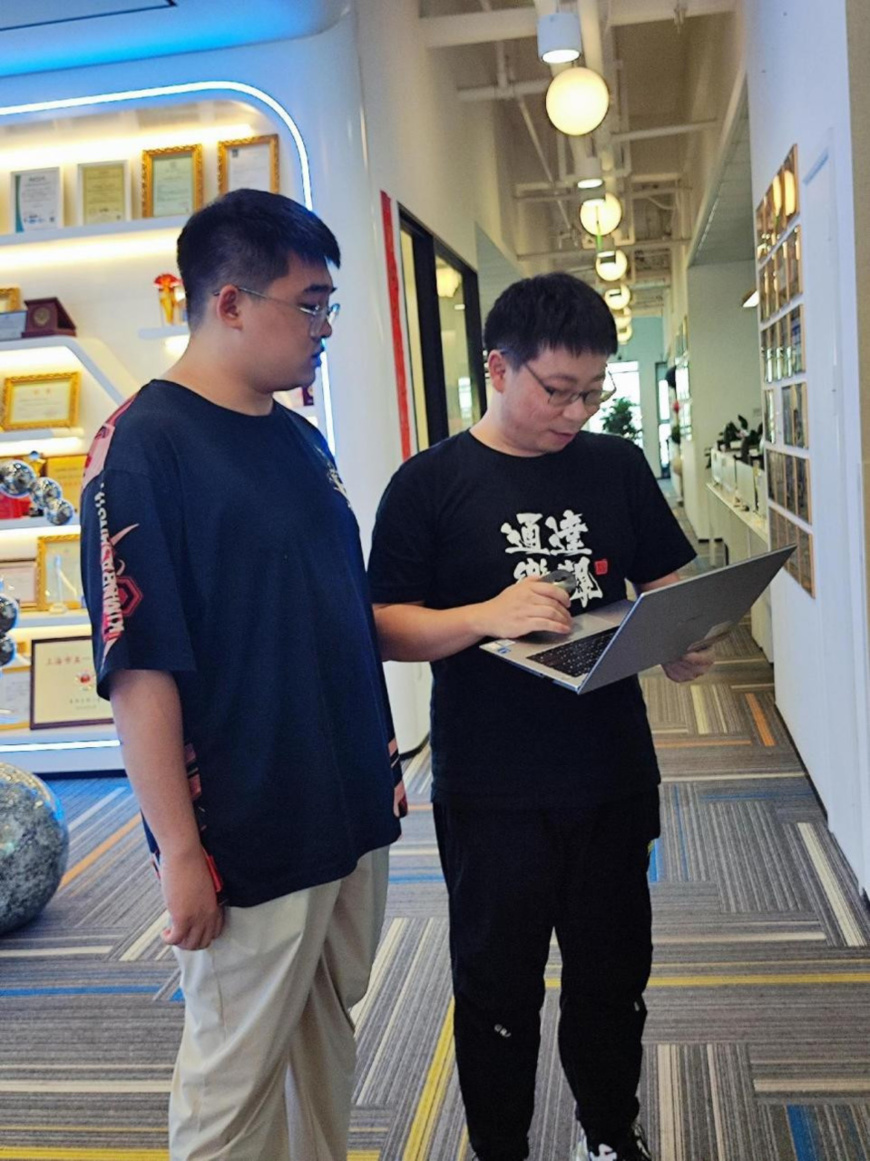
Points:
727	234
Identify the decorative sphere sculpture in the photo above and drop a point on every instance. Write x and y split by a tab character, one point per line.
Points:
34	844
45	489
8	612
17	478
7	650
58	511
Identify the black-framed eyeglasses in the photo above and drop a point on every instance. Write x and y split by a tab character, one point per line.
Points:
320	316
592	399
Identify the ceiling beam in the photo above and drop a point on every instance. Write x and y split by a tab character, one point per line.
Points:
575	252
508	92
478	27
622	12
665	131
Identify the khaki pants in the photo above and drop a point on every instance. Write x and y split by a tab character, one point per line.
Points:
265	1070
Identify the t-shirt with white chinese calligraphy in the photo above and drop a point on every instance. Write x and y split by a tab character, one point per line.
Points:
458	524
221	547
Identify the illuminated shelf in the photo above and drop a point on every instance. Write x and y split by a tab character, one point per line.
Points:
40	620
26	523
41	433
67	749
101	231
94	356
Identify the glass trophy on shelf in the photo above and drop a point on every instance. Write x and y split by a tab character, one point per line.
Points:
58	586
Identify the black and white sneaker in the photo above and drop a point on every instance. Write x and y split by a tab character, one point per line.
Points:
632	1147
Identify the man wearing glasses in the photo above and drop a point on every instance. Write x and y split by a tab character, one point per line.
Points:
545	803
224	577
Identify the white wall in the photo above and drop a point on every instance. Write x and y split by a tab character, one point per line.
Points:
645	347
799	94
723	371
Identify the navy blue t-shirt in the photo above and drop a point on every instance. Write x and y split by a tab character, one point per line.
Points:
461	522
221	547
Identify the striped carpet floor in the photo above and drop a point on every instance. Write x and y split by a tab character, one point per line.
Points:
758	1040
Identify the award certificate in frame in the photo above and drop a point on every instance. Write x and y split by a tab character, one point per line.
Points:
68	471
103	192
36	401
36	200
15	697
19	582
63	684
59	572
171	181
249	163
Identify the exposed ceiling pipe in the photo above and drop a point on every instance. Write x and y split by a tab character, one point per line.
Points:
640	244
664	131
621	12
478	27
536	141
510	93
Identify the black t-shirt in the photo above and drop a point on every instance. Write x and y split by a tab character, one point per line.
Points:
221	547
457	525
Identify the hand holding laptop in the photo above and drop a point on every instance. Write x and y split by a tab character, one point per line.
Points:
531	605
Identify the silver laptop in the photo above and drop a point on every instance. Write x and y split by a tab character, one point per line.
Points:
662	625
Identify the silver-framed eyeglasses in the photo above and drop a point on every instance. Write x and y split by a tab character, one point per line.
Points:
592	398
320	316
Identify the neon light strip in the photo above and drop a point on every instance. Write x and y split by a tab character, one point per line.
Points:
38	748
202	87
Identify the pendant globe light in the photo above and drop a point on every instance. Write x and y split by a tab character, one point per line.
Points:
577	101
600	216
611	265
617	297
624	333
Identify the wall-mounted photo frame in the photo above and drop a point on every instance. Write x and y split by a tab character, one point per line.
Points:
15	697
19	582
33	402
793	262
769	417
58	572
790	484
68	471
767	354
10	299
249	163
804	556
103	192
803	503
796	340
36	198
790	188
760	232
63	688
787	417
781	277
172	181
791	536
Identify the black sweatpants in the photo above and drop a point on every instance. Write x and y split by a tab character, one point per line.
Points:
513	878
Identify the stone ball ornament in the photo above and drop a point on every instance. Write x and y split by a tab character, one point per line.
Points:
18	479
7	650
58	511
8	613
34	846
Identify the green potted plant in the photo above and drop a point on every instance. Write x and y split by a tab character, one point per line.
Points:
618	420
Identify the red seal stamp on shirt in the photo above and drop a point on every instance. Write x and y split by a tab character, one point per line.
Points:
601	567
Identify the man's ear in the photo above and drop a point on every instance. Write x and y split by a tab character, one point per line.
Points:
497	365
227	304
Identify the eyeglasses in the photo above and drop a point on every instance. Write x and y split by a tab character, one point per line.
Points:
320	316
592	400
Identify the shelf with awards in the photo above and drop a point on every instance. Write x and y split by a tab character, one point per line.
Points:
101	230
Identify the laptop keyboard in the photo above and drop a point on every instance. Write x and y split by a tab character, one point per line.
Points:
577	657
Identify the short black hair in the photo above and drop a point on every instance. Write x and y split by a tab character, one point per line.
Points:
550	311
247	237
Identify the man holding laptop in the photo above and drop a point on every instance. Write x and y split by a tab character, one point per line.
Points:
545	803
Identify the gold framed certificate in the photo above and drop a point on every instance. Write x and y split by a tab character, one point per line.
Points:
15	697
103	192
10	299
63	684
36	401
68	471
19	582
249	163
171	181
58	572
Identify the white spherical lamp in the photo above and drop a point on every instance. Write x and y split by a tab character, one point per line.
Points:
624	333
610	266
599	216
577	101
617	297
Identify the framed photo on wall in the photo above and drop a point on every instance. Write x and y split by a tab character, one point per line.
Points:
58	572
171	181
805	561
103	192
19	582
63	687
15	697
249	163
36	200
36	401
68	471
